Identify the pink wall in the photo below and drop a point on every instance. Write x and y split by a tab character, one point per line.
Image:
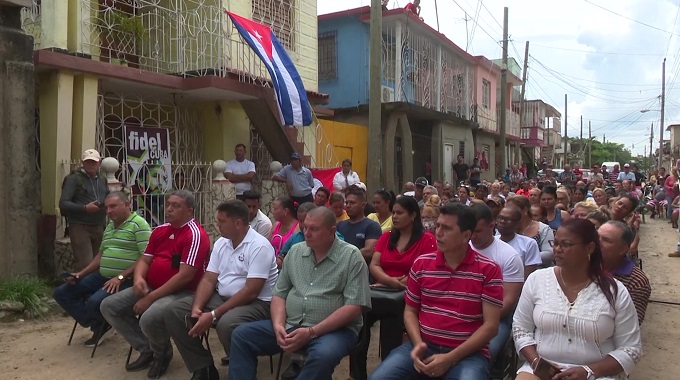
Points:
482	73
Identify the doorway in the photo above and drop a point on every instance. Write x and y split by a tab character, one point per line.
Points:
448	162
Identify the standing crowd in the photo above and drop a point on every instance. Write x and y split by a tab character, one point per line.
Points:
452	273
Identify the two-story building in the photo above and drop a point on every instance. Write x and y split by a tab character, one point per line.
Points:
177	68
536	129
431	93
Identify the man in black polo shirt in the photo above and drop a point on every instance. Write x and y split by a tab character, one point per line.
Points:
461	171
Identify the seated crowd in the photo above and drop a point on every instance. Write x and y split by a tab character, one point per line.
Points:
451	273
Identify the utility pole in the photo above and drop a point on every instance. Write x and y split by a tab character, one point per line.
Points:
566	126
604	138
581	148
504	90
522	103
651	149
663	105
590	146
375	100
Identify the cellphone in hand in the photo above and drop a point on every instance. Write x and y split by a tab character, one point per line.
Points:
190	321
67	276
546	370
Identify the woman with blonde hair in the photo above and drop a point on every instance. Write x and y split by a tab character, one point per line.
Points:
430	213
582	209
496	188
600	197
563	199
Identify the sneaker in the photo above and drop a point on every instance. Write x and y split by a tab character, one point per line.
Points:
98	338
674	254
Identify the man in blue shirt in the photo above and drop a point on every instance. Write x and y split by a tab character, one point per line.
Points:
358	230
298	178
626	174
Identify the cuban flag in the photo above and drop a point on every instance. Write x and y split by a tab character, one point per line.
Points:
291	97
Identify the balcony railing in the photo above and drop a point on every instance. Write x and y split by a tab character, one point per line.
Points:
422	69
487	119
512	122
179	37
31	22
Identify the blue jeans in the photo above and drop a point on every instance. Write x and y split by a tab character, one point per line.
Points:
498	342
399	366
72	299
253	339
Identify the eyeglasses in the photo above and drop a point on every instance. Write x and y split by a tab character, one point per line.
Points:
565	244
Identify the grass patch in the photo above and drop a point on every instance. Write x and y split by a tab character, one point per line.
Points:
30	291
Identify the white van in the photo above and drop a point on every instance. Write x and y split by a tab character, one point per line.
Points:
610	165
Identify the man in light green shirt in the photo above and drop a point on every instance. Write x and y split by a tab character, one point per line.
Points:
125	239
317	305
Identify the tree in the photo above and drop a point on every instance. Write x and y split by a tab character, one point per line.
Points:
608	151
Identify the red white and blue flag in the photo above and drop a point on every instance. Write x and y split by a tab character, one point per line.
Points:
291	97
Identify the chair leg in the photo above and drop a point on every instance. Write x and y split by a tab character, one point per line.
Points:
99	333
271	364
204	338
278	368
72	332
127	361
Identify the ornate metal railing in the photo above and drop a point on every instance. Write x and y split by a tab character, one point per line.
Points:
179	37
31	22
423	69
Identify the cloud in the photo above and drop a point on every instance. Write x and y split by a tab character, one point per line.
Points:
570	46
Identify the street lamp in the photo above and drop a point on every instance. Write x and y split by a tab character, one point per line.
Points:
660	135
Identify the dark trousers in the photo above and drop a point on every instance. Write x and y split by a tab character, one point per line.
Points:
391	332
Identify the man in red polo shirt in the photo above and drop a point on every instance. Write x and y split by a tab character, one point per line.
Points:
453	306
172	266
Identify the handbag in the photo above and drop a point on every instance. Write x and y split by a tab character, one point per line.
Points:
385	300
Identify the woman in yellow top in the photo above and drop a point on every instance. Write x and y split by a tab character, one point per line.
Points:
383	200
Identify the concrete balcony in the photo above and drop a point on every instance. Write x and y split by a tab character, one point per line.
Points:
512	128
186	38
487	119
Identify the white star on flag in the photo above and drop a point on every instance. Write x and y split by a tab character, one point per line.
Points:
258	35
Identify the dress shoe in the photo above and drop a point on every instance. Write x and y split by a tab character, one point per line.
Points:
143	361
292	372
206	373
159	366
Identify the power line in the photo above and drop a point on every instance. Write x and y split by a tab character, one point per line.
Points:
631	19
597	52
668	45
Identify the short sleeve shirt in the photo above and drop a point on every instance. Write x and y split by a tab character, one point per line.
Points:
506	257
397	264
449	300
476	176
241	167
527	249
188	245
461	170
253	258
302	180
314	290
122	246
262	225
357	233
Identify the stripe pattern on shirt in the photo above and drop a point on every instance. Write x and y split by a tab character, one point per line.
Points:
123	245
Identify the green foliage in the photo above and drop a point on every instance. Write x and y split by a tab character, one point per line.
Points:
30	291
608	151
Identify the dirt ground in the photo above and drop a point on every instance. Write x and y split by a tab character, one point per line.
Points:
38	350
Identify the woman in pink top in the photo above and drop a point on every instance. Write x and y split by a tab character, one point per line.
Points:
285	216
394	255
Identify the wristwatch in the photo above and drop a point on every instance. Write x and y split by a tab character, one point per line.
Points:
590	375
213	316
120	277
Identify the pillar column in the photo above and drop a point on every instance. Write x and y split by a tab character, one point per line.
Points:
53	25
84	127
20	185
225	125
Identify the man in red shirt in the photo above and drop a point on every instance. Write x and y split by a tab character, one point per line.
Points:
172	266
413	7
453	306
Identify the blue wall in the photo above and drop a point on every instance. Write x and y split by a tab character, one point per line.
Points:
350	87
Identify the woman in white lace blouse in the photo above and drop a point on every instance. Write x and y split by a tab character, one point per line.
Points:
576	316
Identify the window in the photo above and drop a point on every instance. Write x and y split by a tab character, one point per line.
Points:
279	15
328	56
486	93
461	148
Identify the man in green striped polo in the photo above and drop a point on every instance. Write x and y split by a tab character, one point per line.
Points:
111	270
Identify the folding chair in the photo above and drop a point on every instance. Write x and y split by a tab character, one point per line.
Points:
96	344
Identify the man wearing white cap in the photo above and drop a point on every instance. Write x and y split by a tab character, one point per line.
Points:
82	203
626	174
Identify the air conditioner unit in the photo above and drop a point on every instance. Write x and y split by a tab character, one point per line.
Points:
387	94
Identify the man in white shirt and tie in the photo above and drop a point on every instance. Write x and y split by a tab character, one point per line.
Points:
240	171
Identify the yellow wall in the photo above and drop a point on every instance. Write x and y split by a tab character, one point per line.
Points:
225	125
349	141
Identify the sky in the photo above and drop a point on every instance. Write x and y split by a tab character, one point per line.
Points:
605	55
